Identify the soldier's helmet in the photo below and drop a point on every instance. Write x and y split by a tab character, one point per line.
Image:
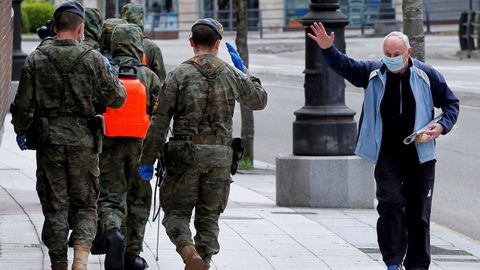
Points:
127	40
212	23
133	13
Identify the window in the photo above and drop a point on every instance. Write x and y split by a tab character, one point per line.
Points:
161	15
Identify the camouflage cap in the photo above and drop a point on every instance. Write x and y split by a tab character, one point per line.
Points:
133	13
93	23
107	30
69	6
127	40
212	23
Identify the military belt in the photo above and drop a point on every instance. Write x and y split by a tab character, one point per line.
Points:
203	139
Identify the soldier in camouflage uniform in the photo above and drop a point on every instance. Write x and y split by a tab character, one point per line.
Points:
106	35
54	102
93	25
93	22
200	95
124	196
133	13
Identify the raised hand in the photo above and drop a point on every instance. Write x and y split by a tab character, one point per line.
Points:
323	40
236	59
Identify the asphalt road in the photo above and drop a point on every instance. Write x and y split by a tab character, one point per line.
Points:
279	62
456	196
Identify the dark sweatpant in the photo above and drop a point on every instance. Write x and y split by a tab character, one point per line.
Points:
404	193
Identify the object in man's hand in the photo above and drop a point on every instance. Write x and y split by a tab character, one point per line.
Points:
414	136
422	137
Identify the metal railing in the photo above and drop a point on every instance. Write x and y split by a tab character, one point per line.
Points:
362	16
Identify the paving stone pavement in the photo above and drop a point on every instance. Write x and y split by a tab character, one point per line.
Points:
254	232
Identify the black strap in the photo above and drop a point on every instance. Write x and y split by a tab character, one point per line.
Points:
56	65
67	101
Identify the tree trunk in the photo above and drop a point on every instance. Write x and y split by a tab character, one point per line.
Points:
413	26
242	47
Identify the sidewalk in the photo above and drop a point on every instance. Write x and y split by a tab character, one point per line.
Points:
255	233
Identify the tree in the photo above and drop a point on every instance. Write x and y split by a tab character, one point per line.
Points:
413	26
241	43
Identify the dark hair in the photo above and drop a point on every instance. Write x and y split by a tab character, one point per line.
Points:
68	21
204	36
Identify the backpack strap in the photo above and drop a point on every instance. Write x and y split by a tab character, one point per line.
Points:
211	80
46	51
68	100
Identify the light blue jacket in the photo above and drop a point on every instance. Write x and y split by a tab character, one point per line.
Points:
429	90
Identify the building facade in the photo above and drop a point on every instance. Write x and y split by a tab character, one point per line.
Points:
178	15
6	47
273	15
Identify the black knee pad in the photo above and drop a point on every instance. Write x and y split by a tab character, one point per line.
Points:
114	250
133	262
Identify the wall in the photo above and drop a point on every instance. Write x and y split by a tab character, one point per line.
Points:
273	14
188	12
6	47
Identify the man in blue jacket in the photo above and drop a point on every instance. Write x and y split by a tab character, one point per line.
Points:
400	96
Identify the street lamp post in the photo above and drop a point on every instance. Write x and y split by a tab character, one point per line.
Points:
18	58
324	126
323	171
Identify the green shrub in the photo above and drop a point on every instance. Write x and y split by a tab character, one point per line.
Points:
25	23
245	164
38	13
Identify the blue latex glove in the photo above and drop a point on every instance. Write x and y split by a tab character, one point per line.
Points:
236	59
145	172
21	141
105	59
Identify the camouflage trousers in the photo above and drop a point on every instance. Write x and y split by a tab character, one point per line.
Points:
206	190
125	198
67	177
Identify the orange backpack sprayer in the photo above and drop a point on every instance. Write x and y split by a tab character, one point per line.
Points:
130	120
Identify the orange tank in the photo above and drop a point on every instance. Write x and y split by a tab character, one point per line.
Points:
130	120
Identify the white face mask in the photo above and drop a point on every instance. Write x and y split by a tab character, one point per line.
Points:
394	63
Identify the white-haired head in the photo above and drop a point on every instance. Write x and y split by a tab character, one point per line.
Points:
400	35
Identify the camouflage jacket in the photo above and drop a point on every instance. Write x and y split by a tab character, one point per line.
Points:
133	13
106	35
60	82
154	58
127	50
200	95
93	24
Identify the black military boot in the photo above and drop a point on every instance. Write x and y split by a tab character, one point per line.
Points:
99	245
134	262
114	251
